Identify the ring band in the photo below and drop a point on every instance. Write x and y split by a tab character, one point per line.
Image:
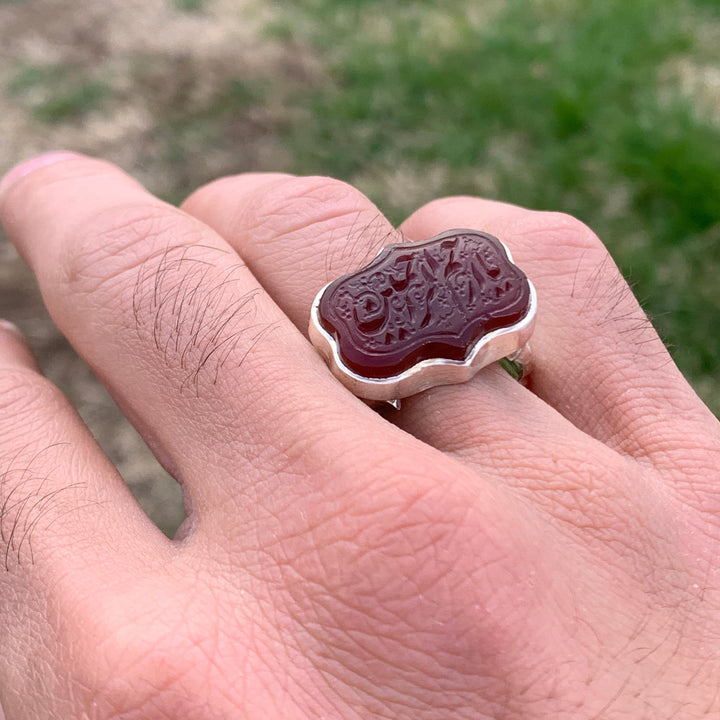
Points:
424	314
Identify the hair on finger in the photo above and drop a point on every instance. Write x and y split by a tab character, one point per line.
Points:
359	245
30	501
187	305
609	301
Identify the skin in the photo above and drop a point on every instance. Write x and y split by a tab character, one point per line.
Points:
489	551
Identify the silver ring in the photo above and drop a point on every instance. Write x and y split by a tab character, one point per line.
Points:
425	314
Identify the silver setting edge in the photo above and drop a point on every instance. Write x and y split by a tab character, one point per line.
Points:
428	373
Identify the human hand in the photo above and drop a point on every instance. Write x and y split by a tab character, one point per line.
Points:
489	551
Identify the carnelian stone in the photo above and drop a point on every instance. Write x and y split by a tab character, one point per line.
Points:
416	301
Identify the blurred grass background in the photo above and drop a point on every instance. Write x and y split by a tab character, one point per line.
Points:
607	110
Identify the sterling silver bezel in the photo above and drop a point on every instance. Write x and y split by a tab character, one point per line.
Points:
428	373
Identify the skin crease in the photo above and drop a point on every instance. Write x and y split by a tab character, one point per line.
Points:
489	551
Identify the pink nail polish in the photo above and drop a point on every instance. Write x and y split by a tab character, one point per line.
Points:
9	327
25	168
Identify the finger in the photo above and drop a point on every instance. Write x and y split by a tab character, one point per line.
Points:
572	478
340	230
14	351
295	233
214	375
64	510
68	525
596	357
53	473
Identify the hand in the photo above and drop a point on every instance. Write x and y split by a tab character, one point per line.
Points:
489	551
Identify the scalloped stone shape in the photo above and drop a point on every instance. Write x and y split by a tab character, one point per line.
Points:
417	305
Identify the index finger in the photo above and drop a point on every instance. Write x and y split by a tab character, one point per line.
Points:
212	372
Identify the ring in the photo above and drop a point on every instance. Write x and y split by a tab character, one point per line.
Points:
425	314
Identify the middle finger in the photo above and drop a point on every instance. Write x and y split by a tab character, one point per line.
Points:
340	231
297	233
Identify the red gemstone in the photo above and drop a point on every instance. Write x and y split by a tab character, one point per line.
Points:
416	301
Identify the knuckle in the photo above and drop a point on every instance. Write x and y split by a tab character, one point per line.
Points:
464	210
111	244
151	664
550	228
560	230
296	203
310	188
439	206
206	198
22	390
555	235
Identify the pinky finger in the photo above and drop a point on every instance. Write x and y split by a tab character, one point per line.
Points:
68	526
14	350
58	491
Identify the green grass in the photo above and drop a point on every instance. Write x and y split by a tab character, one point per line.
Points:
553	104
55	93
190	5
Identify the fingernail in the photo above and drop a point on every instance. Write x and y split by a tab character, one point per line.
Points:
9	327
25	168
